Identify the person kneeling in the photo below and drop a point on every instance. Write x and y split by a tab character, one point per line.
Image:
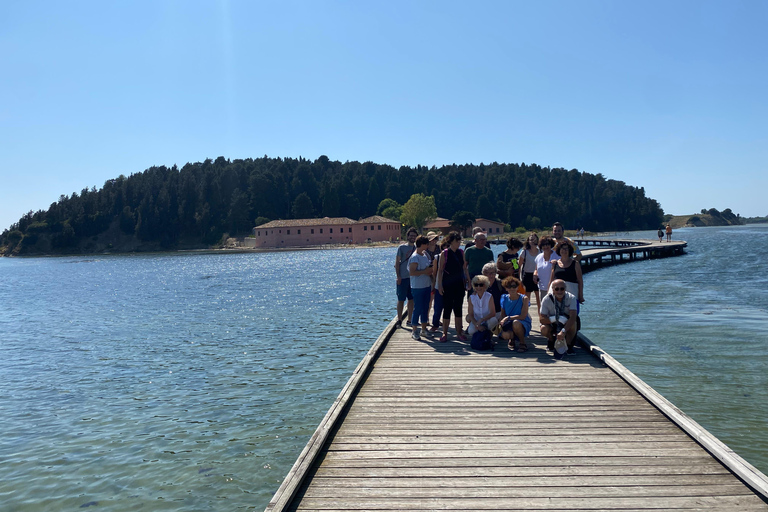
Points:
517	322
558	318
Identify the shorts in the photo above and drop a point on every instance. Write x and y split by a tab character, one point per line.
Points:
404	290
530	286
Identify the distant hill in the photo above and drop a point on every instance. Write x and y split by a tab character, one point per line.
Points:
710	217
202	203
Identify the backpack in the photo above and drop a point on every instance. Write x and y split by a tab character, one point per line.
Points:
481	340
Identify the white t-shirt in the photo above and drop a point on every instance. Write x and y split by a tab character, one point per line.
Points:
544	269
422	261
550	307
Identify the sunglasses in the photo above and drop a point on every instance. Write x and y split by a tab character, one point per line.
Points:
478	285
558	289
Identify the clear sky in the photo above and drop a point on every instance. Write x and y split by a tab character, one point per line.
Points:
666	95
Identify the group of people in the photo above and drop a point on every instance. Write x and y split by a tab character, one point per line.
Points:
437	274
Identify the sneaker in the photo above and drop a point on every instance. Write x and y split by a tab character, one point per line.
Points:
415	334
408	323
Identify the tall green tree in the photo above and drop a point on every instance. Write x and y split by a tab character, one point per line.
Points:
418	210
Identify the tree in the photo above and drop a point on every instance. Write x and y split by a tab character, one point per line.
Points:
302	207
390	209
463	220
418	210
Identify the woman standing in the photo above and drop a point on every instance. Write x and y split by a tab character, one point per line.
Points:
543	268
451	276
527	261
569	270
438	302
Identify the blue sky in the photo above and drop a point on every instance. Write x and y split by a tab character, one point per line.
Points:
669	96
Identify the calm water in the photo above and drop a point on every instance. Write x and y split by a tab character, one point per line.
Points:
192	382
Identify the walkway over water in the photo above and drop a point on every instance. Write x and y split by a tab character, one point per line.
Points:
423	425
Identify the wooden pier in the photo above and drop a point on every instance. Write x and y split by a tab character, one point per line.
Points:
423	425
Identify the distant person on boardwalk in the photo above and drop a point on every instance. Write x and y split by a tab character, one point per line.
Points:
568	270
451	276
558	316
557	235
515	320
527	261
404	253
481	312
420	269
543	271
506	261
477	256
669	233
660	234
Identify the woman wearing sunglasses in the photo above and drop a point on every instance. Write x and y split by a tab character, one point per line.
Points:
482	312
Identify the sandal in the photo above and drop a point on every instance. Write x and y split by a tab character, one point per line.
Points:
511	345
523	347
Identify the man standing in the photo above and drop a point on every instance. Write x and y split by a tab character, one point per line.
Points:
557	234
558	316
404	253
476	256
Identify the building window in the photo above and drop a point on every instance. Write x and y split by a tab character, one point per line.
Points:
365	228
341	230
371	228
312	231
330	230
258	233
280	231
321	231
288	231
299	231
379	227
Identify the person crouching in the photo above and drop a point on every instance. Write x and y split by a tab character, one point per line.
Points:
558	317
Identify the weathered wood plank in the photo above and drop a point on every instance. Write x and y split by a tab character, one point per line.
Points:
702	467
532	480
720	503
531	491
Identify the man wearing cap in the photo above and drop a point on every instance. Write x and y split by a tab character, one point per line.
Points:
557	235
476	256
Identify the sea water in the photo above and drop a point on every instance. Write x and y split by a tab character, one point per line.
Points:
193	381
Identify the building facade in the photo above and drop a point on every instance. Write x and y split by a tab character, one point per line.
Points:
336	230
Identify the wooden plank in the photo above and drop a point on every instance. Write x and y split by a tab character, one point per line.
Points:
530	491
703	467
527	481
554	502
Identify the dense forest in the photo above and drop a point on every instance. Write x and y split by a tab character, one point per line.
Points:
165	208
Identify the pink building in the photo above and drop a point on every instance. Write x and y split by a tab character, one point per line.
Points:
336	230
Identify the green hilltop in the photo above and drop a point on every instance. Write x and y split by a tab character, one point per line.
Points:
199	204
